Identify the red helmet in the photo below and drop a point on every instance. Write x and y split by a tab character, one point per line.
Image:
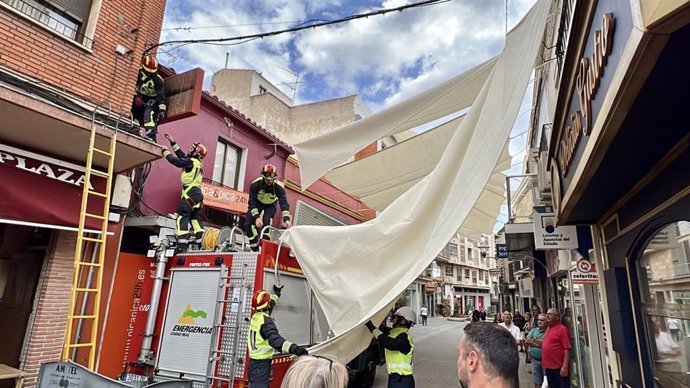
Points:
261	299
149	63
269	171
200	150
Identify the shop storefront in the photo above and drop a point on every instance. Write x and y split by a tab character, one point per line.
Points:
619	160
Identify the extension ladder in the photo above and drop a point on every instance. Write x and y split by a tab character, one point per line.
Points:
85	296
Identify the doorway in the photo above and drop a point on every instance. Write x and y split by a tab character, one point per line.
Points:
22	252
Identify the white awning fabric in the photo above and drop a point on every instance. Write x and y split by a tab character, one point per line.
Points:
358	271
320	154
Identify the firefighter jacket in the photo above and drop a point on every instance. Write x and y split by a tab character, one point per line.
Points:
399	347
262	196
192	169
151	87
264	337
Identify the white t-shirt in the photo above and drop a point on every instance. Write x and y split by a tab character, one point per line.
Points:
673	324
423	311
514	330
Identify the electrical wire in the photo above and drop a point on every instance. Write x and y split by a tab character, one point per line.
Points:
297	28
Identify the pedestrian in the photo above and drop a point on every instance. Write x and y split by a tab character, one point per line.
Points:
525	330
487	357
482	314
555	351
399	346
536	310
673	327
475	315
191	197
263	338
534	342
514	330
315	372
424	313
498	318
264	192
149	102
519	321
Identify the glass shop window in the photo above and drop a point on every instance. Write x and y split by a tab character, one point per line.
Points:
664	277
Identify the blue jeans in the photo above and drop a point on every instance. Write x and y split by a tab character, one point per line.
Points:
553	376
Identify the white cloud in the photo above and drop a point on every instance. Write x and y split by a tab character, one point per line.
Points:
385	59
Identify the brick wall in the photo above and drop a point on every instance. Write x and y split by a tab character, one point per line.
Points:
45	343
30	49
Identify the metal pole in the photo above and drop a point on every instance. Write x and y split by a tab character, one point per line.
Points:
146	354
508	196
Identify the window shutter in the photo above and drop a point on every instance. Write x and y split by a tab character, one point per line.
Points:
308	215
78	9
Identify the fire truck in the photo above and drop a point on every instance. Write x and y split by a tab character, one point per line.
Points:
198	317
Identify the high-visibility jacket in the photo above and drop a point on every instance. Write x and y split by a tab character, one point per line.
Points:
262	196
263	338
259	348
397	361
193	177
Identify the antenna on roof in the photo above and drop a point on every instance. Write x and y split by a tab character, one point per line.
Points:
294	89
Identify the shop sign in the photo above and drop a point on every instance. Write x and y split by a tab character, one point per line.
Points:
525	287
501	251
183	92
589	75
585	273
549	236
69	374
666	238
224	198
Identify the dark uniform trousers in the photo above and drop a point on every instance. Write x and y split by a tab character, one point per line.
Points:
259	373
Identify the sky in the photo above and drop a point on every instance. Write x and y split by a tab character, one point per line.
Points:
384	59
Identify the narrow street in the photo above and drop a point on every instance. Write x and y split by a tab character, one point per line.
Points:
436	354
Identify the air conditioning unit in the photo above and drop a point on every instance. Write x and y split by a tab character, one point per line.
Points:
543	177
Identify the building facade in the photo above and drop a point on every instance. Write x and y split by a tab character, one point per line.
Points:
610	160
64	66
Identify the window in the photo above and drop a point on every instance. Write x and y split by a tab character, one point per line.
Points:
467	273
459	277
665	261
462	252
453	249
449	271
226	166
66	17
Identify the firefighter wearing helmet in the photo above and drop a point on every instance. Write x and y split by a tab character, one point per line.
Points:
263	338
191	198
264	192
149	103
399	347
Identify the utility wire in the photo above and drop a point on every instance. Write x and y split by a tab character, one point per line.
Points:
298	28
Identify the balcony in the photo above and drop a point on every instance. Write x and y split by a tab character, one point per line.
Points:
51	123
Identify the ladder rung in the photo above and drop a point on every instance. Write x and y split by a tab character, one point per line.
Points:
94	216
102	195
98	240
86	289
87	264
82	345
219	378
100	173
83	317
232	277
107	153
221	352
225	326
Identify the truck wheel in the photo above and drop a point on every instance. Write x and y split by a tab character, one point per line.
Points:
365	378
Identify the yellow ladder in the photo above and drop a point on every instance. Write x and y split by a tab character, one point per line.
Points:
83	294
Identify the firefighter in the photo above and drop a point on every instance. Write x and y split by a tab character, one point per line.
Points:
264	192
149	103
263	338
191	198
399	347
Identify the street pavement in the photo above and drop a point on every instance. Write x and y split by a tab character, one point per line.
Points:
436	355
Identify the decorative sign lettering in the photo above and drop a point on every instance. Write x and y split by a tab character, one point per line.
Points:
549	236
501	251
183	92
71	375
224	198
585	273
589	76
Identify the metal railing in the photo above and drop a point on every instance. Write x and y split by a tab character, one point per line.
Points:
46	19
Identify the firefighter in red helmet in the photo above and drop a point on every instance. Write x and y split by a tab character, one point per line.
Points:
264	192
191	198
263	338
149	103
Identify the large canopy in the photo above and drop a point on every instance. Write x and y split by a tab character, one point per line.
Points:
357	271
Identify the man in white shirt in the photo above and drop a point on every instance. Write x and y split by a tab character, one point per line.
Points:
508	325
